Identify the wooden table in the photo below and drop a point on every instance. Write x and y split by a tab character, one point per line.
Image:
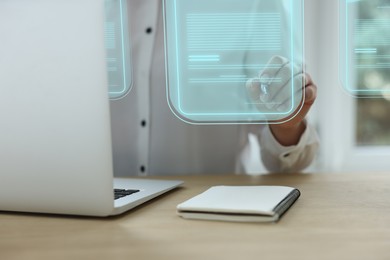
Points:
338	216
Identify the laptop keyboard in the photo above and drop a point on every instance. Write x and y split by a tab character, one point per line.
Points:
120	193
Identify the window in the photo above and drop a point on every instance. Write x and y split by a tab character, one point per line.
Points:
373	122
354	132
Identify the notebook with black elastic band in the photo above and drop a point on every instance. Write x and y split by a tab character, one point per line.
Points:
240	203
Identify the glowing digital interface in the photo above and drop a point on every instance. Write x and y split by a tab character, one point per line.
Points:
117	47
236	61
365	47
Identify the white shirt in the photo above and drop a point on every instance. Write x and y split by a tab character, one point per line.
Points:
148	139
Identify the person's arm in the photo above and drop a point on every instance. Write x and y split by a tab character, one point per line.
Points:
289	133
291	146
287	146
292	158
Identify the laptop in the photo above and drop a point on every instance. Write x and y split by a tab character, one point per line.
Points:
55	132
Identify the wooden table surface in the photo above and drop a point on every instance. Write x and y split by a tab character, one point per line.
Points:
338	216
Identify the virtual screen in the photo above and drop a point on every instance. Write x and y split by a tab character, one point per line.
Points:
117	47
365	42
237	61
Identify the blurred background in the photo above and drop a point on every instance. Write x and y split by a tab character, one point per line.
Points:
354	132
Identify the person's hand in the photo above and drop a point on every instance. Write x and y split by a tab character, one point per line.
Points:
271	92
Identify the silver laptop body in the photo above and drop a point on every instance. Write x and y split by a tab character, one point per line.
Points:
55	133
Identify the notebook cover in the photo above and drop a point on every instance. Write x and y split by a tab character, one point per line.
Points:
240	203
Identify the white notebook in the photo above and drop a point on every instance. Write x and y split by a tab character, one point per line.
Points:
240	203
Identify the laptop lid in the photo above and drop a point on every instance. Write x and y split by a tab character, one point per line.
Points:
55	139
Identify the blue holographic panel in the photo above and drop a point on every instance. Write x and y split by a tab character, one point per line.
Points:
364	45
215	47
118	48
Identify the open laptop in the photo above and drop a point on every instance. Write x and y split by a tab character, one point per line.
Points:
55	133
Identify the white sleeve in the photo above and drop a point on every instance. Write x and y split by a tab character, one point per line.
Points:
278	158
